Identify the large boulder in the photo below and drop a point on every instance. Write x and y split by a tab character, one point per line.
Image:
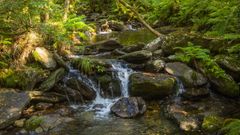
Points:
225	85
129	107
231	64
12	104
188	76
52	79
45	57
137	57
86	92
103	46
151	86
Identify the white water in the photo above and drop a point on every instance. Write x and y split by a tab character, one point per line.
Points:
121	71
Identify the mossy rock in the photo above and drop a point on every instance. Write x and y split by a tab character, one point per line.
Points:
24	79
33	123
154	86
212	123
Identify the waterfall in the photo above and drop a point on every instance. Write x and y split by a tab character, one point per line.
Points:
123	73
120	70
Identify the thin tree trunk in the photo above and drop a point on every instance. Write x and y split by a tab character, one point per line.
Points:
66	10
139	17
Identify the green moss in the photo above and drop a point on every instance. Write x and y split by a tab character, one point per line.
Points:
33	123
3	64
212	123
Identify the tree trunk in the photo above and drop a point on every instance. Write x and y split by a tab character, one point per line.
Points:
66	10
139	17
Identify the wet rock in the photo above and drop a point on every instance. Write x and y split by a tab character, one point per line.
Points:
12	104
133	48
72	94
49	97
110	86
129	107
46	123
231	64
188	76
52	79
195	93
151	86
137	57
212	123
43	106
103	46
86	91
155	66
45	57
24	79
158	53
117	26
185	121
19	123
223	84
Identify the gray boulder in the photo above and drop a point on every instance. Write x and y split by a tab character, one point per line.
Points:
12	104
188	76
137	57
129	107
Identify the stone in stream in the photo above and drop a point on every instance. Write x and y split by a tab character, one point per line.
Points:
45	57
85	91
137	57
133	48
224	84
102	46
195	93
12	104
231	64
129	107
188	76
151	86
155	66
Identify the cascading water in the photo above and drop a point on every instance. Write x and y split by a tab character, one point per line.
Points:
121	71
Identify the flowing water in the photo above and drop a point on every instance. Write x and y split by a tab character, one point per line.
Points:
120	70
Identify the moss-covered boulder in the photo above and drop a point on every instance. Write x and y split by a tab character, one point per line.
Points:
24	79
45	57
231	64
212	123
187	75
137	57
225	85
151	86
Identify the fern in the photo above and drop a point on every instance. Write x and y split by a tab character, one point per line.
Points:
196	53
231	128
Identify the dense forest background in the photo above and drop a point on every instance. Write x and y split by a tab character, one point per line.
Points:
202	36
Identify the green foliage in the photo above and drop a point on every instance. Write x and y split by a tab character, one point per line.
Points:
193	53
234	49
33	123
231	128
5	41
88	66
